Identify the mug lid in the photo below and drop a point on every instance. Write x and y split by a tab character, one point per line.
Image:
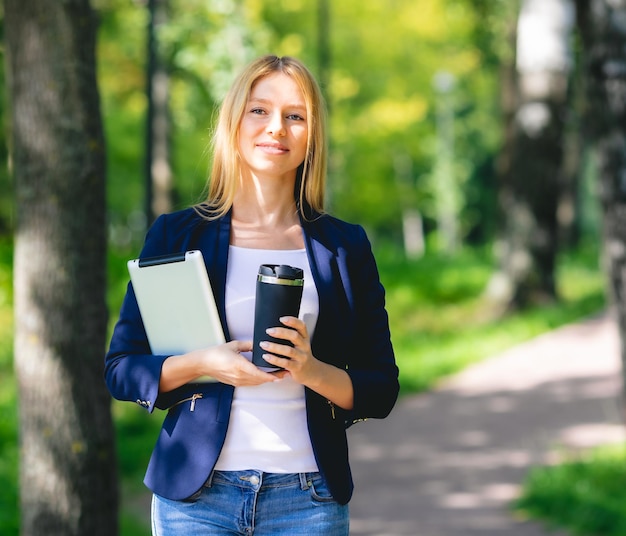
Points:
282	271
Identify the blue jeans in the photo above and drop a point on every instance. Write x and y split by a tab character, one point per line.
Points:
253	503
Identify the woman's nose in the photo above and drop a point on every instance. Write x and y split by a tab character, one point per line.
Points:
276	125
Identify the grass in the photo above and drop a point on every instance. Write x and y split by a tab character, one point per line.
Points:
440	323
585	494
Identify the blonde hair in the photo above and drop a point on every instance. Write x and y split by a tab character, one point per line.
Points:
226	167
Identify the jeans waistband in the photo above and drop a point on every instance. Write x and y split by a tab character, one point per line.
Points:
255	480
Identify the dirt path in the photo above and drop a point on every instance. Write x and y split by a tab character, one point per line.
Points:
448	462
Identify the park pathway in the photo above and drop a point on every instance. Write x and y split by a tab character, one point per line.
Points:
448	462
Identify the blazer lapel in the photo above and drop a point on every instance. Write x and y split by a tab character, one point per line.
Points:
326	274
213	239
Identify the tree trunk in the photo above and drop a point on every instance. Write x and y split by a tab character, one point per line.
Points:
570	213
531	189
412	223
68	477
447	190
159	182
602	24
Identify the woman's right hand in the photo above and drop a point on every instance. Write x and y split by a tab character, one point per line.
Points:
223	363
226	364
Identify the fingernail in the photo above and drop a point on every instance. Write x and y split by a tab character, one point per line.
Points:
264	344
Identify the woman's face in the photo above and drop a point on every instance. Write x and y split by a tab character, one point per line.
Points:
273	129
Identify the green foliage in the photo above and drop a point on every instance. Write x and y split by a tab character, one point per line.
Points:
136	432
385	108
384	57
441	320
382	100
9	511
585	494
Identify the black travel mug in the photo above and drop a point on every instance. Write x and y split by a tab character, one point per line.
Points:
278	293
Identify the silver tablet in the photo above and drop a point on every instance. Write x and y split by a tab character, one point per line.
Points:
176	303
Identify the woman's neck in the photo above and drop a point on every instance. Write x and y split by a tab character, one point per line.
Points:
268	221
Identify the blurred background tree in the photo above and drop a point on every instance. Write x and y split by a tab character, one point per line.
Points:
158	196
68	483
531	182
602	26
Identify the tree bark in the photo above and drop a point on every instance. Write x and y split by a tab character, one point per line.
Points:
68	477
531	189
602	25
159	181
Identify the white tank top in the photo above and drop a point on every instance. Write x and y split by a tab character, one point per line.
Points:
267	429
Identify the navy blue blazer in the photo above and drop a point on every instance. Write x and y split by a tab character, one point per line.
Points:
352	333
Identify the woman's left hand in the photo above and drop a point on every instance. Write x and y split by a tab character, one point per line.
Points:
332	383
298	360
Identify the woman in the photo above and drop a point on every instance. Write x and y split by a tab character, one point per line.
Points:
261	452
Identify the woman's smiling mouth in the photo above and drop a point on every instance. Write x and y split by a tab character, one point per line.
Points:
273	148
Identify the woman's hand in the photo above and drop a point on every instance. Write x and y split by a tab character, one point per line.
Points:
297	360
327	380
224	363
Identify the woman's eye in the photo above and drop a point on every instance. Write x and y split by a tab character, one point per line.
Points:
295	117
258	111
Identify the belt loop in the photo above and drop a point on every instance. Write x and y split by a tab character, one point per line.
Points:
304	481
209	481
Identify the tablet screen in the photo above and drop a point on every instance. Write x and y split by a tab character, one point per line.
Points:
176	303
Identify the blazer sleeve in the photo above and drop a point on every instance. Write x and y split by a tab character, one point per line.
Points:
371	366
132	372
